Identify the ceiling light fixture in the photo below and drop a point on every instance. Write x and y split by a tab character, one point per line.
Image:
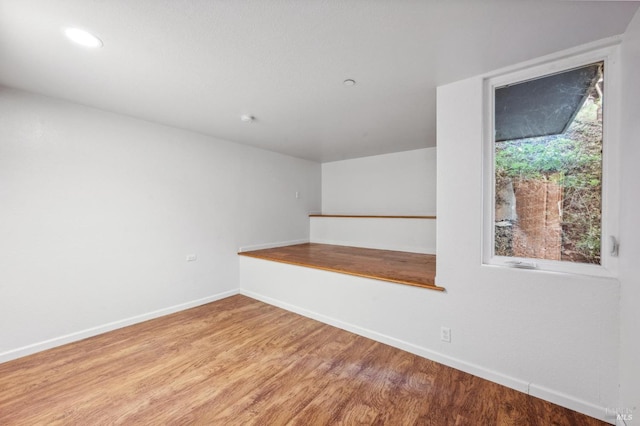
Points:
83	38
247	118
349	82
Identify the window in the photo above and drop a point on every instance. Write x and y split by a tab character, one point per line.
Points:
549	148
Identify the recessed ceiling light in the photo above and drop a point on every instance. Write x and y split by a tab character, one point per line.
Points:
82	37
247	118
349	82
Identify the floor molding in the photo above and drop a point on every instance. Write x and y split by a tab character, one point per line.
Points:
378	246
571	402
93	331
491	375
272	245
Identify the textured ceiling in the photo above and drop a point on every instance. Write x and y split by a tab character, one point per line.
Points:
200	64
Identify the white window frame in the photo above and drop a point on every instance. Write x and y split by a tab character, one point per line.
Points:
610	160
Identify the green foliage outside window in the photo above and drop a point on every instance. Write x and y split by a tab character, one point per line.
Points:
574	161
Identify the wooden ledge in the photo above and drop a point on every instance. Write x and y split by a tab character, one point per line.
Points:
371	216
399	267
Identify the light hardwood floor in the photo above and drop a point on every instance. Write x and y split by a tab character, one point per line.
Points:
242	362
388	265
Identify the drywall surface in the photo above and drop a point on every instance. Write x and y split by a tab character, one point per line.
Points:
413	235
512	333
552	335
98	212
558	332
629	230
403	183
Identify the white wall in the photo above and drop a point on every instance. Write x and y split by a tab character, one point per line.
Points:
403	183
412	235
630	231
557	332
398	184
555	336
526	335
98	211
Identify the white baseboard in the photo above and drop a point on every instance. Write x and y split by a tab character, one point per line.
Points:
381	246
272	245
476	370
620	422
570	402
93	331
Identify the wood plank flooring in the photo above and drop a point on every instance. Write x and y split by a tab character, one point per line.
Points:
242	362
395	266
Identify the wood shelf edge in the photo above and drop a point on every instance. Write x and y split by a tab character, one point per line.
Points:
340	271
371	216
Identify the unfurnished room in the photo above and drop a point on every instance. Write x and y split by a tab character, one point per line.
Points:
319	212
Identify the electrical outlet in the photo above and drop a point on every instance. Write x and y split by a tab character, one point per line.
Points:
191	257
445	334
